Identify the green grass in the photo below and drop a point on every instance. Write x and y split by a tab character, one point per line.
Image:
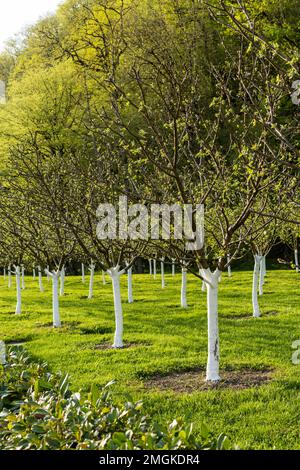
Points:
173	339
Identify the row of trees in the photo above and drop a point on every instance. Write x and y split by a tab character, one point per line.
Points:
170	102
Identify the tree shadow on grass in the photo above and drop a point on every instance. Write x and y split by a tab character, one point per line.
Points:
96	330
248	316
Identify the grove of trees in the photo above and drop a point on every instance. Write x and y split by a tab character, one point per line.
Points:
164	102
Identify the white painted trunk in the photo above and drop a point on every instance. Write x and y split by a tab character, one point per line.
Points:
129	286
82	273
33	273
154	268
62	281
257	261
150	266
265	267
91	285
103	278
18	289
183	288
9	276
173	267
228	267
220	277
296	260
41	279
261	276
115	277
55	299
203	288
162	270
23	277
2	353
48	275
4	273
213	358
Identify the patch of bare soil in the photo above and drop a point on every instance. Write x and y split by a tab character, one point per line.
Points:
193	381
103	346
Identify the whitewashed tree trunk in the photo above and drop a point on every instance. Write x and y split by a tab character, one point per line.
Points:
296	260
220	277
4	273
173	267
203	287
2	353
91	285
212	280
23	277
228	267
41	279
154	268
103	278
18	290
261	276
48	275
129	285
115	275
264	267
9	276
150	266
62	281
162	271
55	275
255	305
55	300
33	273
82	273
183	287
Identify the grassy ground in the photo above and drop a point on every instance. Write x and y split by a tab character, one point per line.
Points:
174	339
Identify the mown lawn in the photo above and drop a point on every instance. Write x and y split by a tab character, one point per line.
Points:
173	339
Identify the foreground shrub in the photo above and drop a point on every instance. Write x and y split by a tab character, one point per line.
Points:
38	411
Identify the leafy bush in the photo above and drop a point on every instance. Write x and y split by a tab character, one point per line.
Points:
38	411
